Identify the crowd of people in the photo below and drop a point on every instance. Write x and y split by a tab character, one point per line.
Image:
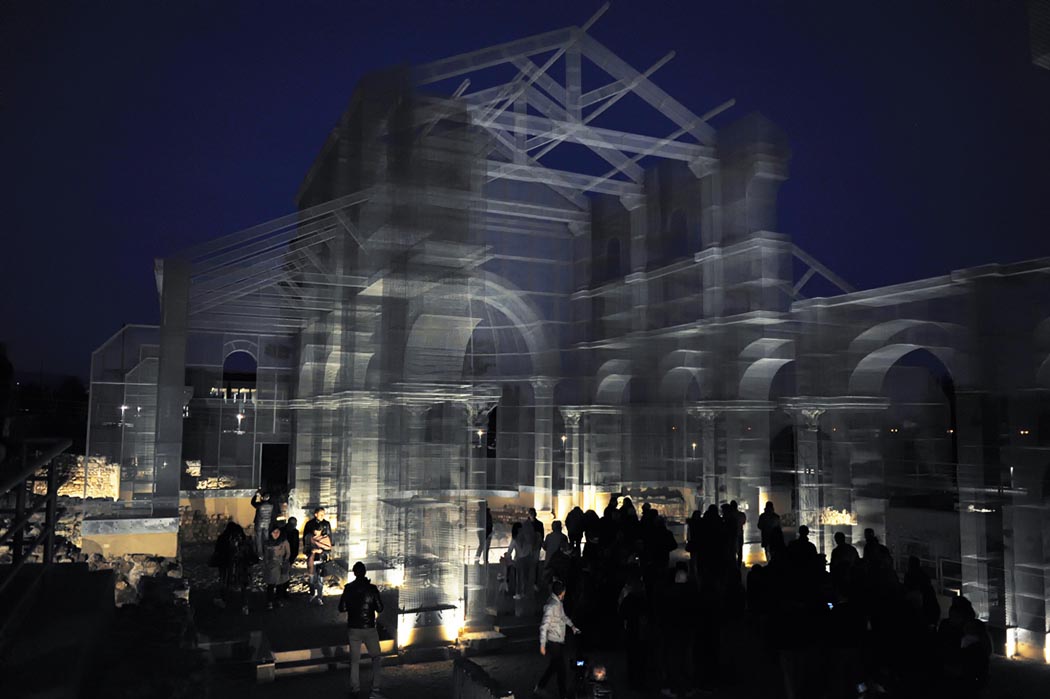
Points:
848	629
274	544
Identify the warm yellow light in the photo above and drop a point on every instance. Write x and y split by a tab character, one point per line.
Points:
563	438
480	432
1011	643
831	516
405	624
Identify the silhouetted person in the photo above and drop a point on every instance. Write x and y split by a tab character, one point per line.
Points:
801	552
361	602
555	550
844	560
592	527
523	554
965	650
712	535
232	556
575	522
291	533
552	638
740	520
769	521
917	583
876	555
276	564
484	533
692	544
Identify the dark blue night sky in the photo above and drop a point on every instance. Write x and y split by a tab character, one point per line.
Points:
920	130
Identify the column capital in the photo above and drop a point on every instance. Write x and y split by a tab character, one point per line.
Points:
706	414
811	417
479	408
416	409
543	383
571	416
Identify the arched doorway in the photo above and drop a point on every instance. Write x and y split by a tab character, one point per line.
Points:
918	444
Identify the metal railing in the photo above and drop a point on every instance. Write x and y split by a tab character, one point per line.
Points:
25	507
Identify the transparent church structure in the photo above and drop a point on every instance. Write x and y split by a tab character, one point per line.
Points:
495	289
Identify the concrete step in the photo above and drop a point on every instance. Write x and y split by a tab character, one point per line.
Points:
480	642
286	663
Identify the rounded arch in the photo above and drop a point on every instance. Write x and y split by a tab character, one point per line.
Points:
239	366
769	348
612	389
1042	376
675	384
448	314
870	374
907	331
240	345
759	378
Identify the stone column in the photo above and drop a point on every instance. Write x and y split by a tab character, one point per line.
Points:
573	480
365	526
171	380
543	400
981	478
808	466
476	578
710	479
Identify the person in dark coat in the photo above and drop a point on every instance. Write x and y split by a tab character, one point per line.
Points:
574	522
361	602
276	564
291	533
232	556
484	533
768	525
264	517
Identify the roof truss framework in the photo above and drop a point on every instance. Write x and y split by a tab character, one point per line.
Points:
535	112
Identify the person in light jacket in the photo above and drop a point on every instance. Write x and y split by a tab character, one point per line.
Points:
552	638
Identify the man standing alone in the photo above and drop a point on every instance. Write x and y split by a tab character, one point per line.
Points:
552	638
361	602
